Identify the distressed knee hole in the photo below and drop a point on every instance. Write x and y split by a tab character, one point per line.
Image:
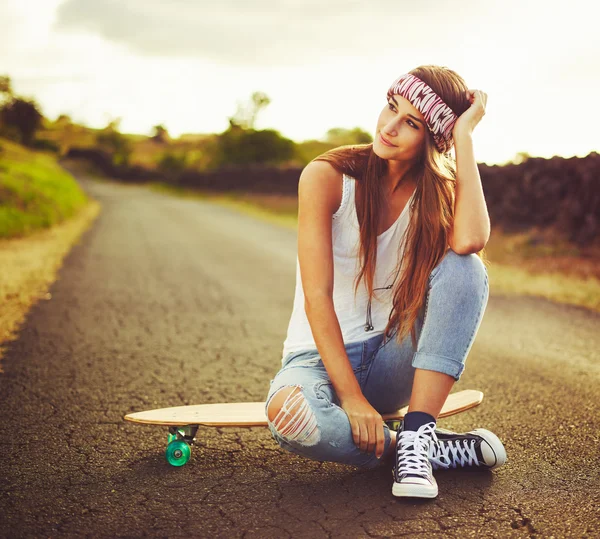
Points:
292	417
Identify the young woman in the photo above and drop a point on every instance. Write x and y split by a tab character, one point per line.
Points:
401	218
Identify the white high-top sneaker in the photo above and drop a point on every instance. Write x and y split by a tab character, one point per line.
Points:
413	473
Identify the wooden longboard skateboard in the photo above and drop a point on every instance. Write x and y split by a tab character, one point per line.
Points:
184	421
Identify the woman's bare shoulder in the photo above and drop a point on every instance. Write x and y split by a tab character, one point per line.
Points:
322	183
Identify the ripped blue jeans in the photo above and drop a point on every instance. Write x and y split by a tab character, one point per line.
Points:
319	429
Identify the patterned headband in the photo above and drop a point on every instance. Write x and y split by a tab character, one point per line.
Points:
439	117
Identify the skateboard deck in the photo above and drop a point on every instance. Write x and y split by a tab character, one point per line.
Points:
184	421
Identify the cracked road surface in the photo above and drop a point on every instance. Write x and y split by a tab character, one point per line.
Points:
168	301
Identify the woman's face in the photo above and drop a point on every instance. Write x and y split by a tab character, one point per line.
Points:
403	126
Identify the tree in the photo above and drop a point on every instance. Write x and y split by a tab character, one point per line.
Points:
22	117
114	124
6	92
245	115
341	136
116	143
160	134
520	157
63	120
67	133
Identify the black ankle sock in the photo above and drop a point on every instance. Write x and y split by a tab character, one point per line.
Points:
414	420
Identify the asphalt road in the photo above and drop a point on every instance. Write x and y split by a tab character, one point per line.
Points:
166	302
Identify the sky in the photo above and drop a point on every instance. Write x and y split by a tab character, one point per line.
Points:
187	64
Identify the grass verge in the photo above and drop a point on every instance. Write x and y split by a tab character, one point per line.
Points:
35	193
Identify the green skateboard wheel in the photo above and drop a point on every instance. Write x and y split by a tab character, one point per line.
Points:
393	424
178	453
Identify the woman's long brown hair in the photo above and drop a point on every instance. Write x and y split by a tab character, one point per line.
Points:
432	208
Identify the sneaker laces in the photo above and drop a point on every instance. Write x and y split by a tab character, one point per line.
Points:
453	453
411	450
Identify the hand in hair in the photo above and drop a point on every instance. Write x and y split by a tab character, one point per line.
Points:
472	116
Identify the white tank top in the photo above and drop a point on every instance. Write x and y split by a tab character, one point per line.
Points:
351	312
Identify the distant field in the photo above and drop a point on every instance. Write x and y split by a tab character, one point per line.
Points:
35	192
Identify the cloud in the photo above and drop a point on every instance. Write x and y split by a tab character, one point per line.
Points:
255	32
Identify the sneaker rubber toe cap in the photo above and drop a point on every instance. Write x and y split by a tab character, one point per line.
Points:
492	449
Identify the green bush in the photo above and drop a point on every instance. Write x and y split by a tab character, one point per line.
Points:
45	145
117	144
238	146
172	163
